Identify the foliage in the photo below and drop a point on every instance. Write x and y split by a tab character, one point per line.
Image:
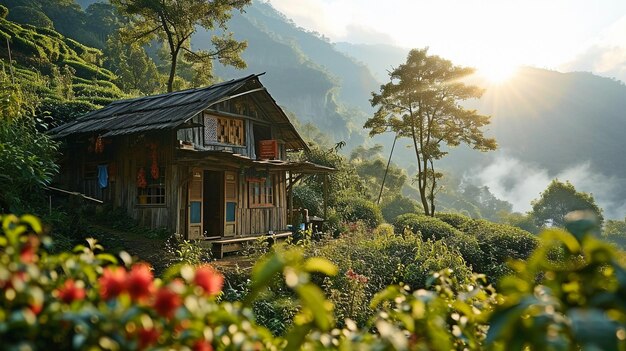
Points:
558	200
452	317
399	205
499	243
192	252
353	209
29	15
572	302
523	221
454	219
372	168
174	22
344	180
614	231
421	103
87	299
430	228
136	72
306	196
27	160
369	263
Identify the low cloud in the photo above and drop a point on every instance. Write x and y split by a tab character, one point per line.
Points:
608	61
605	55
519	183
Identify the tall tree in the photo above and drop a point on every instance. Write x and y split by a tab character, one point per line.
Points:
558	200
174	21
421	102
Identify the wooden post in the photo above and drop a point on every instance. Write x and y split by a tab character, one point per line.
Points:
290	205
325	196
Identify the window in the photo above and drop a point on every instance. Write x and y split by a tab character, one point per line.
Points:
223	130
153	193
261	193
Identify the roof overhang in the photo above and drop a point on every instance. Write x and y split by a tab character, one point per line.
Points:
208	157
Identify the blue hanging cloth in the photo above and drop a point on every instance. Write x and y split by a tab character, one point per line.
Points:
103	176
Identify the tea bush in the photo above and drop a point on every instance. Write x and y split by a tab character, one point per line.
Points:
499	243
353	209
369	263
436	229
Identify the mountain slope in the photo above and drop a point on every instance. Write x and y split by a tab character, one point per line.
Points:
66	76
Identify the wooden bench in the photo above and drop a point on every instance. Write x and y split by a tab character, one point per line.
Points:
222	246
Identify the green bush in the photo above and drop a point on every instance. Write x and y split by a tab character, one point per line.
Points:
499	243
353	209
435	229
454	219
88	71
399	205
304	196
29	15
369	263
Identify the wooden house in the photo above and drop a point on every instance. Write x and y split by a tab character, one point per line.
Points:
208	163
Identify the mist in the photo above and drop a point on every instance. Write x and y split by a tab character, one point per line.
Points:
519	182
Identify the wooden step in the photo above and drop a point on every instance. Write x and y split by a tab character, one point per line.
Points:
222	246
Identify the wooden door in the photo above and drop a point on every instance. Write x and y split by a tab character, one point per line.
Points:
230	203
195	205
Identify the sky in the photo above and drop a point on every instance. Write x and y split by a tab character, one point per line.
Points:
491	35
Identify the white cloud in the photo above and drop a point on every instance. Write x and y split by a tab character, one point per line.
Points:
519	183
605	55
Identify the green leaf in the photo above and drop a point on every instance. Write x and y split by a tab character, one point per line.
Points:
262	273
33	221
321	265
107	258
313	298
386	295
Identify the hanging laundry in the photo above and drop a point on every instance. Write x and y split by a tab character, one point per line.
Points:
103	176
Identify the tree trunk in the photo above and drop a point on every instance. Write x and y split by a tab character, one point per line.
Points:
170	80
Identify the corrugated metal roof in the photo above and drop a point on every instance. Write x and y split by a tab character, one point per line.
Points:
168	111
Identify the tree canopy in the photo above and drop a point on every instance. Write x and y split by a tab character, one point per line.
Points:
558	200
174	22
421	102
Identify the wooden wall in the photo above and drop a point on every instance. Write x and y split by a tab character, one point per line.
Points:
261	220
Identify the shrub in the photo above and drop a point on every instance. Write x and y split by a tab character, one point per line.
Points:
369	263
29	15
399	205
454	219
384	229
359	209
499	243
304	196
436	229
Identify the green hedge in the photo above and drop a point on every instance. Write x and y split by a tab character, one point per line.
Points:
500	242
353	209
436	229
454	219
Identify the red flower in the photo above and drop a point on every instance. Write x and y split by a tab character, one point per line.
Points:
147	337
35	308
28	253
202	345
71	292
167	302
112	282
139	282
210	280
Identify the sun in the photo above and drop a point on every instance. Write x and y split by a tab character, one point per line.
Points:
497	72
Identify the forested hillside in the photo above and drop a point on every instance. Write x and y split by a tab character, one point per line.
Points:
63	76
304	71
